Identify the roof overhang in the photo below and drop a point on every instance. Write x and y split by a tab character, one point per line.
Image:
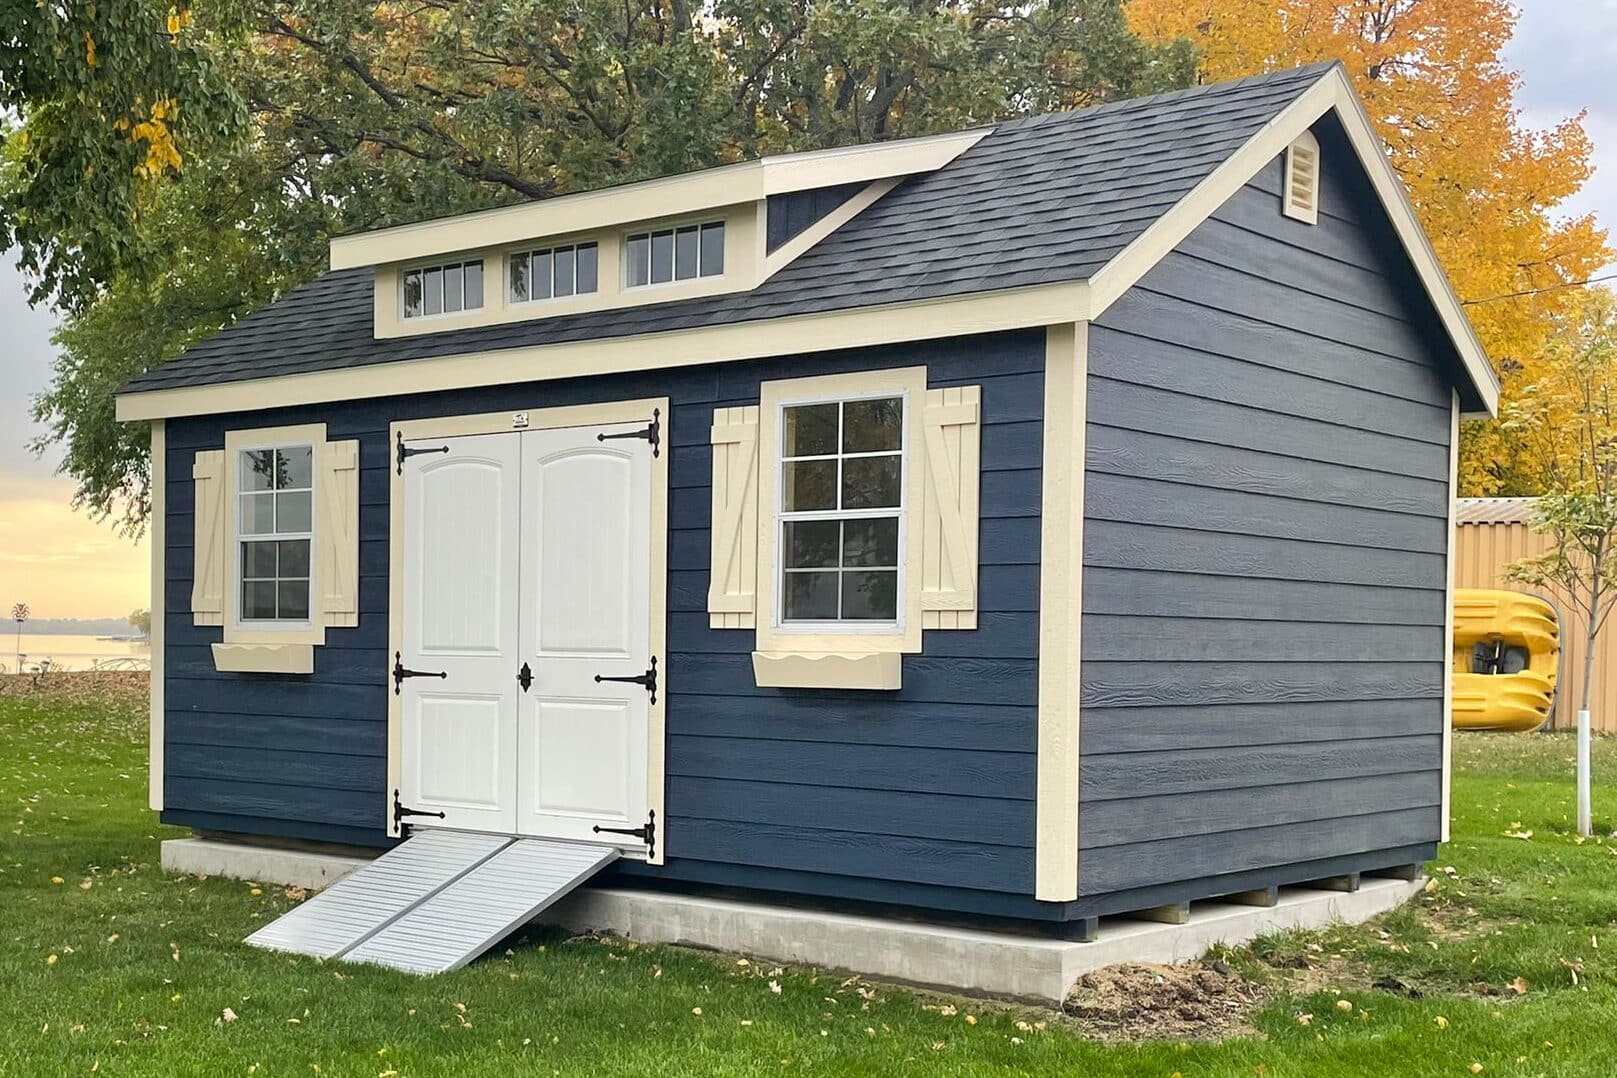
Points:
892	323
672	196
1335	92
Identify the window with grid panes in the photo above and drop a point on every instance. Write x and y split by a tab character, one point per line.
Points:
841	511
274	527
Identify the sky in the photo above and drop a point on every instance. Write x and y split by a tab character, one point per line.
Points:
64	564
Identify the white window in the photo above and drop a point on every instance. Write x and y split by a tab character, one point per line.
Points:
445	289
841	512
553	272
674	254
274	534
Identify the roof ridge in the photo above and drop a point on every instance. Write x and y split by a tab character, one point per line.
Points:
1302	72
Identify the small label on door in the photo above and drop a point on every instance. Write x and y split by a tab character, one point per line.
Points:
519	420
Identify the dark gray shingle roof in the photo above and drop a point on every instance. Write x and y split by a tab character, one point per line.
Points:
1040	200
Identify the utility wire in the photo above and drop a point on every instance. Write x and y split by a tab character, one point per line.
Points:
1538	291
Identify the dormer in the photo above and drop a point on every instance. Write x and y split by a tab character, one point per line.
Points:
723	230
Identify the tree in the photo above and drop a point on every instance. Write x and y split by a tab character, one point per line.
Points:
365	114
109	93
1568	417
141	622
19	614
1431	75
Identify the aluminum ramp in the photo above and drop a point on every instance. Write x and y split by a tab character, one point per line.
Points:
436	901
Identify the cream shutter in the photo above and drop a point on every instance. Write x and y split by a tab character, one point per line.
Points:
732	594
949	509
337	559
208	514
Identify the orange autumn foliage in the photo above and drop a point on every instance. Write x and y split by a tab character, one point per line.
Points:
1431	75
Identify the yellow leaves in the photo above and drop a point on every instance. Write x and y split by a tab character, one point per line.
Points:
178	19
1344	1005
1441	1022
89	50
1515	831
57	881
1476	1068
1518	986
51	960
162	154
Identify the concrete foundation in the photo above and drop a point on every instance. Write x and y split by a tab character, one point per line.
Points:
993	963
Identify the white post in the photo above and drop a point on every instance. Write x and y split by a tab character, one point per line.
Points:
1585	821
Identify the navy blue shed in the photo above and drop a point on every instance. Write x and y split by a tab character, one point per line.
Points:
1040	521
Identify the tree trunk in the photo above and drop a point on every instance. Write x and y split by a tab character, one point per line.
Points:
1585	808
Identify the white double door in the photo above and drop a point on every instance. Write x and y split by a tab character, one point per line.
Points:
526	580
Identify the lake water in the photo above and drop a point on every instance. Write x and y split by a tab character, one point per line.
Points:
68	652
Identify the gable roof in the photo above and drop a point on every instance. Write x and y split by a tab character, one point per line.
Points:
1043	220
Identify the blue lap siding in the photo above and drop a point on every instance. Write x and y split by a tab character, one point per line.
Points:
1265	535
922	796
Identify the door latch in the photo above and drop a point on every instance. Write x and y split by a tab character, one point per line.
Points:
648	679
525	677
400	673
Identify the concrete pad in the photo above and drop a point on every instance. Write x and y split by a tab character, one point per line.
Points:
957	959
1027	967
310	869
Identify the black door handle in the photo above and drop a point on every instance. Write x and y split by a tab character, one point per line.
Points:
648	679
525	677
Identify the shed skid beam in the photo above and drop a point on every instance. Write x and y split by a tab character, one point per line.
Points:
1261	896
1080	930
1348	882
1409	873
1174	913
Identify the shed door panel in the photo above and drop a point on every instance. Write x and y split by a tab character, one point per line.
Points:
586	562
461	546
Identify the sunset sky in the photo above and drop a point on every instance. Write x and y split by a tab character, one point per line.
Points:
63	564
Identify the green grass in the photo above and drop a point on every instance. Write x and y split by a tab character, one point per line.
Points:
146	965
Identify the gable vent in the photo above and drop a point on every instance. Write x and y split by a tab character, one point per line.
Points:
1300	199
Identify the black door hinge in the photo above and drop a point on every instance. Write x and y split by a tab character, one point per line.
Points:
525	677
405	451
648	679
400	673
652	432
646	834
400	812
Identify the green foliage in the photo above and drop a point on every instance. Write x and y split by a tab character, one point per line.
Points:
146	963
338	115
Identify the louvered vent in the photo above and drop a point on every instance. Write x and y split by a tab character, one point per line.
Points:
1300	199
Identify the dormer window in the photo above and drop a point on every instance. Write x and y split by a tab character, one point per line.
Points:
554	272
674	254
445	289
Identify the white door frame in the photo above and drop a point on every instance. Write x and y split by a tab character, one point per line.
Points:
580	415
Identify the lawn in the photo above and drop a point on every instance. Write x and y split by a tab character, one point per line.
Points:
1508	963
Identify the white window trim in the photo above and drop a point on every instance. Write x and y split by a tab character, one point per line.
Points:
236	630
843	627
528	249
422	267
673	283
904	635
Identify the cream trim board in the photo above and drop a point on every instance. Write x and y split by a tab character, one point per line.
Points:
865	670
1061	570
157	536
602	414
910	382
1335	92
749	181
264	658
1448	625
925	320
236	441
743	229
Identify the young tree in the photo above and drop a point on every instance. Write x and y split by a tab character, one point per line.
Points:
1569	418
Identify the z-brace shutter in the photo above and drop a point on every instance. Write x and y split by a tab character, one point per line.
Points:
338	538
732	597
208	511
949	510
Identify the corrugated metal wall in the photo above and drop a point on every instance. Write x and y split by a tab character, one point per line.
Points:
1485	550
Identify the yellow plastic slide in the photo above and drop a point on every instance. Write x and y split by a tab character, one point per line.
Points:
1507	657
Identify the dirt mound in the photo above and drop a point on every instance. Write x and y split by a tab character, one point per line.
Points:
1133	1001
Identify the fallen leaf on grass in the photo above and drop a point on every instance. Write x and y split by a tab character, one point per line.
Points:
1442	1023
1518	986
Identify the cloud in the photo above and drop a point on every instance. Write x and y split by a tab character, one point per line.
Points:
59	561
